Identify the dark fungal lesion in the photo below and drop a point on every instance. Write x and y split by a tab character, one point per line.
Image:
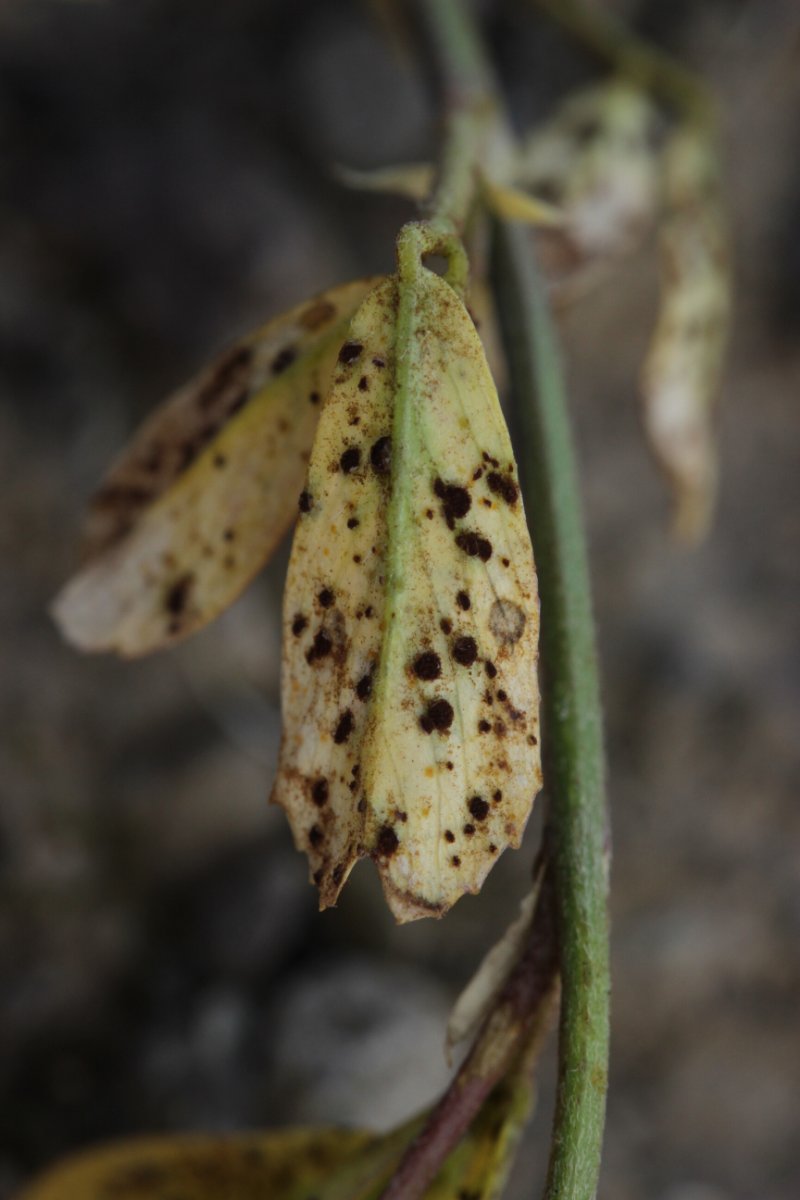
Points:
506	621
427	665
456	500
320	792
478	807
364	686
344	727
503	486
177	595
326	597
317	314
305	501
386	842
463	601
350	460
437	716
299	623
381	455
474	545
465	650
350	352
315	836
283	360
320	648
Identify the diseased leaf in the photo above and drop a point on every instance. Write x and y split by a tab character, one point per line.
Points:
409	690
680	377
292	1164
208	487
475	1000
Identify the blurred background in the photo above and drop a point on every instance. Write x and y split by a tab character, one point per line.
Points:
166	184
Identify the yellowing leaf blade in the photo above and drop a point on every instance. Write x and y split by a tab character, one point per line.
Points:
411	616
208	487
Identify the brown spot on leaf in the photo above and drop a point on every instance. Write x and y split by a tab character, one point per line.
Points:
465	650
455	860
438	715
446	625
456	501
326	597
350	459
474	545
320	792
315	835
483	727
349	352
283	359
502	486
177	595
469	830
299	624
381	456
314	397
363	383
506	621
387	841
463	600
364	687
427	665
353	522
478	807
449	836
320	647
344	728
305	502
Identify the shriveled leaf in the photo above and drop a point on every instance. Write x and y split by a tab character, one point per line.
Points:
512	204
291	1164
474	1002
208	487
681	375
598	161
409	687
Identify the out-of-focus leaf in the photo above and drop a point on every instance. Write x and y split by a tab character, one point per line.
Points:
292	1164
597	160
411	616
681	374
413	180
475	1000
208	487
511	204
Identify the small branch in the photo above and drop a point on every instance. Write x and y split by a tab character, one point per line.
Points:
516	1015
574	768
633	58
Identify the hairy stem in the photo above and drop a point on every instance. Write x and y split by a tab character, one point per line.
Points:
574	767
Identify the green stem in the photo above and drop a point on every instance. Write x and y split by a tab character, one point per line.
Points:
574	766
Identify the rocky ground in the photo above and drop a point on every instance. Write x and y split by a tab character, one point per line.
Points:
165	185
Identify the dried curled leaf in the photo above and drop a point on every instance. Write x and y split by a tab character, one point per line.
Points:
412	180
598	161
292	1164
680	377
206	490
409	687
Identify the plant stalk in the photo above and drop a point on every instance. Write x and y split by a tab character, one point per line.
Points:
572	726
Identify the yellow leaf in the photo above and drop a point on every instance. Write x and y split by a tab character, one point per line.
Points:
511	204
291	1164
681	374
414	180
409	689
208	487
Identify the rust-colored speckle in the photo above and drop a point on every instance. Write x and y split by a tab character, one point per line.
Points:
446	625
